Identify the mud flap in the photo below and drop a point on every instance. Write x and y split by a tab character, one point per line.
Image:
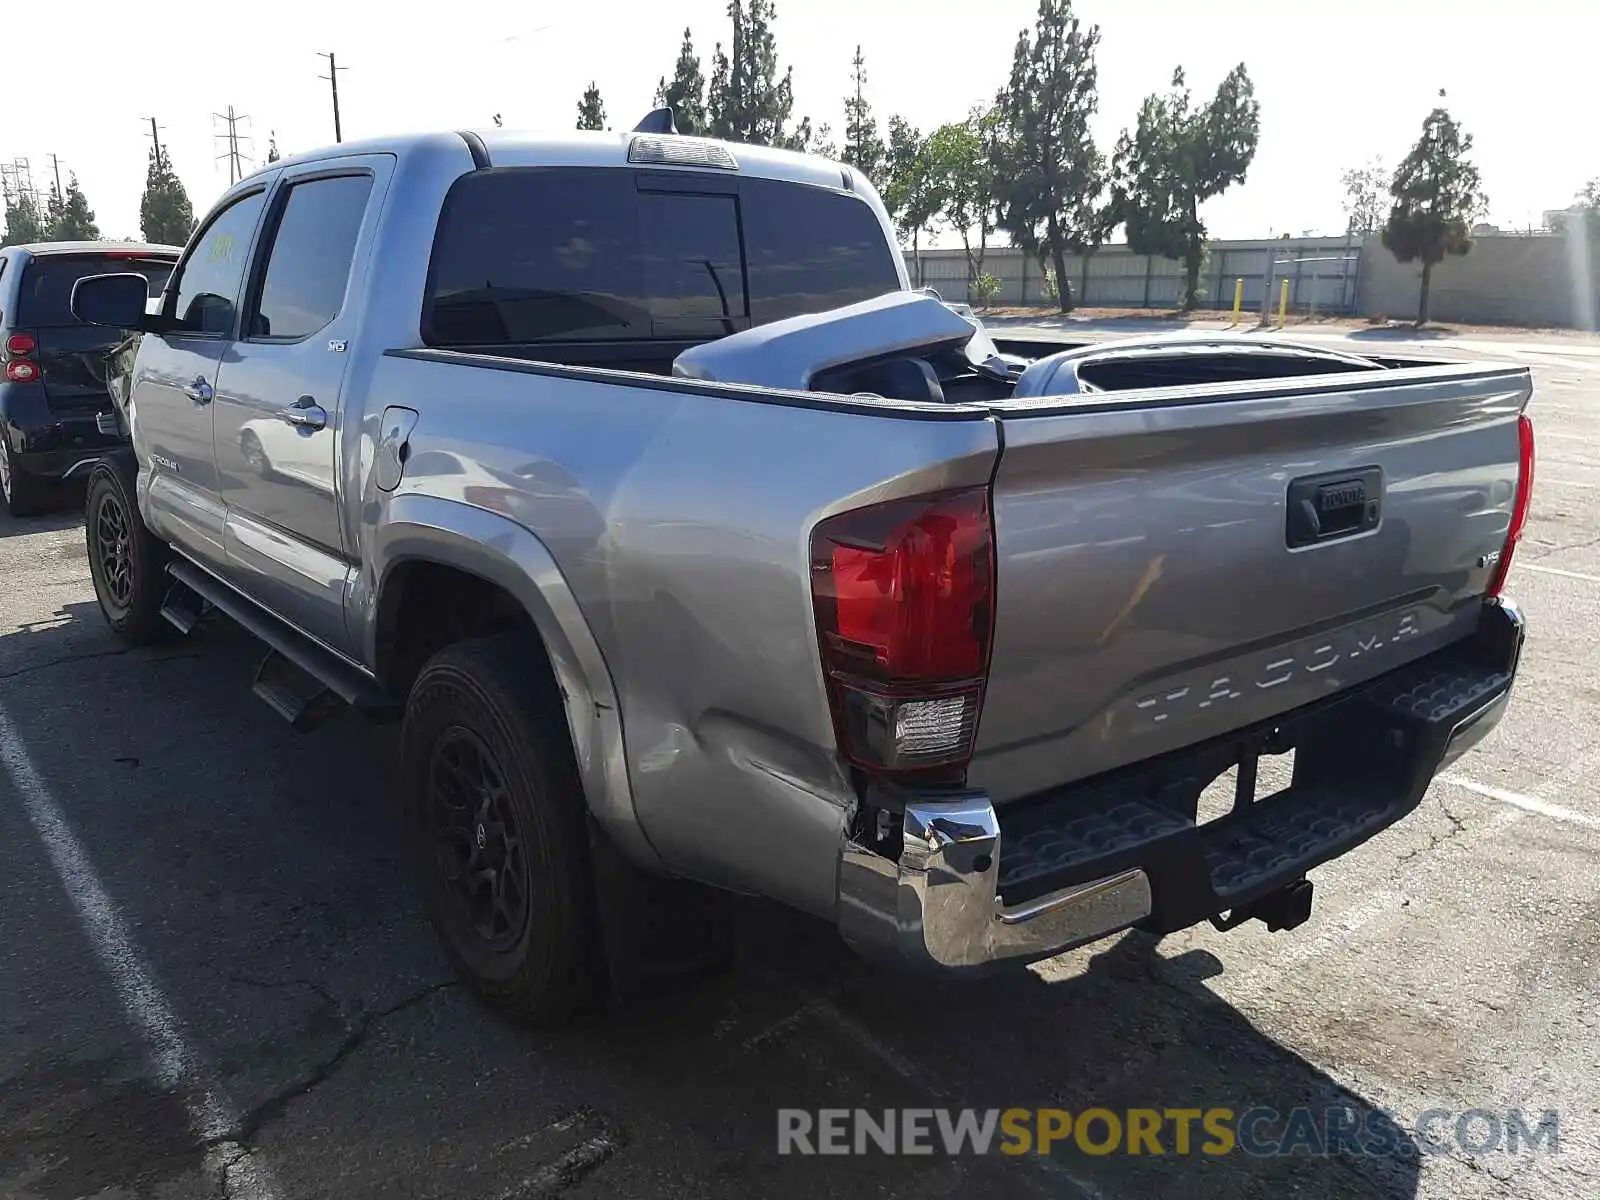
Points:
657	935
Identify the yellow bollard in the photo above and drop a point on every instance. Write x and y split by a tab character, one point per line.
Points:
1238	299
1283	304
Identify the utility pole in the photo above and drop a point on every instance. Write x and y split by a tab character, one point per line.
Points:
56	163
232	153
155	137
333	79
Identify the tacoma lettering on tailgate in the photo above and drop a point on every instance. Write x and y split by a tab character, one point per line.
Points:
1298	661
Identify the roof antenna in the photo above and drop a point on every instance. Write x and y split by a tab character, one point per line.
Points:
657	120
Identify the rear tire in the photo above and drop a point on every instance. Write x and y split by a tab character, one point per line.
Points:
496	827
127	562
24	494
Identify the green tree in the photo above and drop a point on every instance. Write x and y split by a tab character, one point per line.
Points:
961	157
686	94
1178	157
74	221
746	101
24	222
1364	192
591	109
912	192
1046	158
1437	195
1097	219
863	148
165	214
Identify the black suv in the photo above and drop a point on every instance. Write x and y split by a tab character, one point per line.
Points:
53	368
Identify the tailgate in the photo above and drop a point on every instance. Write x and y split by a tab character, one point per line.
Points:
1159	578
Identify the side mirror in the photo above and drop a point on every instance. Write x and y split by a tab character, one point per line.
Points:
117	301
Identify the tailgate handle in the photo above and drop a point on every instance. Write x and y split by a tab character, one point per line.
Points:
1341	504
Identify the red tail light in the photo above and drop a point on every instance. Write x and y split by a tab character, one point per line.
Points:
21	370
904	601
21	343
1519	506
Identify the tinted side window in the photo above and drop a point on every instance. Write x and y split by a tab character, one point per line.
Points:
308	267
809	250
208	288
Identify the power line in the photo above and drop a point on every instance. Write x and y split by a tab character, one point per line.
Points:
333	79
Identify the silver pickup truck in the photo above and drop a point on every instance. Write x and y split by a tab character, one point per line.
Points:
691	544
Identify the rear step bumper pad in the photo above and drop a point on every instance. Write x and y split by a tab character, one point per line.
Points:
970	888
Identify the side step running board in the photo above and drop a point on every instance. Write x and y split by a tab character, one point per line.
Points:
300	679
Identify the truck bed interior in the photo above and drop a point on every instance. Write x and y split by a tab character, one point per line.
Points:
953	362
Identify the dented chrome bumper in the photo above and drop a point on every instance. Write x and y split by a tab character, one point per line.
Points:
1093	858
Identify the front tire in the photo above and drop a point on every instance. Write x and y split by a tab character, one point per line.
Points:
127	562
24	494
496	827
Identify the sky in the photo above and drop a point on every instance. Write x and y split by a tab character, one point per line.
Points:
1338	82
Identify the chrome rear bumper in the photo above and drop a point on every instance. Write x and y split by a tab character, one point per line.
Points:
1098	857
939	906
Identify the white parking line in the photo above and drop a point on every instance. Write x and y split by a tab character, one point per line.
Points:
178	1065
1538	570
1564	483
1527	803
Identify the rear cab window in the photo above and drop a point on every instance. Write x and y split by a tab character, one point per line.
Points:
608	254
45	296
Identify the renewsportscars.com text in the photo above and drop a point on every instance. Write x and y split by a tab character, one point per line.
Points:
1259	1131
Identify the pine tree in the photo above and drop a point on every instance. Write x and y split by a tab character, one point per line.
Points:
1437	194
686	94
746	101
591	109
74	221
165	215
1048	157
863	148
24	223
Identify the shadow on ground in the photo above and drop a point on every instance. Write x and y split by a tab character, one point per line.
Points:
260	873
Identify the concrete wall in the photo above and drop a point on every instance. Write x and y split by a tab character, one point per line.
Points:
1522	279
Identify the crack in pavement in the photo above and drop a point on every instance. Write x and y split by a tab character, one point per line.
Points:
68	659
356	1032
1435	840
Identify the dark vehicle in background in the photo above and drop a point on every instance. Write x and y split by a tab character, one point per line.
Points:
53	368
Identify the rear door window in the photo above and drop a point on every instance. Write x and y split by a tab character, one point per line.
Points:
46	293
308	267
598	254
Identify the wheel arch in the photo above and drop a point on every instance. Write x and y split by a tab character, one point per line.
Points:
424	535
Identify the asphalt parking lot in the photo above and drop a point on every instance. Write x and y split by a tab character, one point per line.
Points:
282	973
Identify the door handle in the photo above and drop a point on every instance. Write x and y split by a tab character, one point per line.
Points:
199	391
305	413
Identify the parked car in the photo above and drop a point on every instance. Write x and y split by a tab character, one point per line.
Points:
690	543
53	388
